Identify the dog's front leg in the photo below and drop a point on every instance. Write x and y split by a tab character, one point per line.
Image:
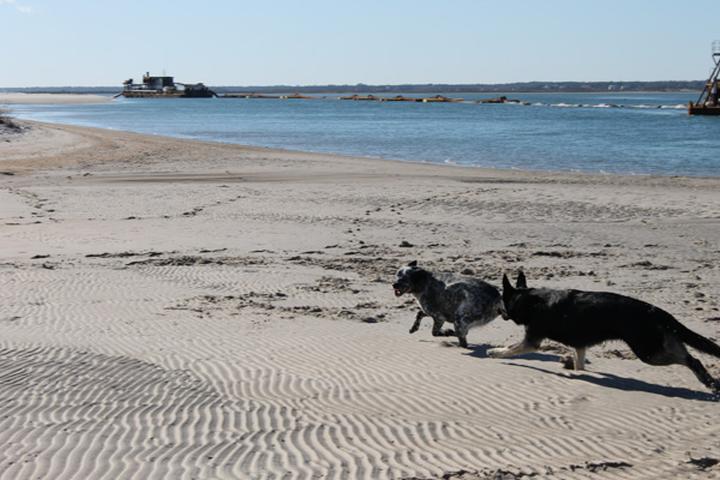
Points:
518	349
576	362
580	358
437	330
418	317
461	330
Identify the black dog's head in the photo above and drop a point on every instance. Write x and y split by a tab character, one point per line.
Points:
410	279
513	297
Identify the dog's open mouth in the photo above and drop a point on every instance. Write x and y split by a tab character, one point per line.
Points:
398	290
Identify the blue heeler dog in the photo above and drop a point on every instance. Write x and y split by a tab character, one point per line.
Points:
463	301
582	319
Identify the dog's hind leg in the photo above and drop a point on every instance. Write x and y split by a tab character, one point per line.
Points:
437	330
702	374
672	352
418	317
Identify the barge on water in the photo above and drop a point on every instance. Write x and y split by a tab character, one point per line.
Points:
439	99
708	103
164	87
361	98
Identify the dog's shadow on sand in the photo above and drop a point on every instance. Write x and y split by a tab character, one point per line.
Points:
480	351
610	380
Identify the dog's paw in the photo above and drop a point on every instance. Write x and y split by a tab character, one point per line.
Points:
568	362
716	390
496	352
413	329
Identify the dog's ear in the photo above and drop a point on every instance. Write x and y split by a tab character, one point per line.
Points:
412	264
507	286
521	282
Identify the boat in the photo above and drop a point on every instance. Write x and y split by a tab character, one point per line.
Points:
163	87
296	96
708	103
361	98
398	98
502	99
438	99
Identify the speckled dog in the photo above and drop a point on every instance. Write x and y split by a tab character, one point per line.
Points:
465	302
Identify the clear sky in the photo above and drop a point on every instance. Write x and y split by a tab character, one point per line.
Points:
225	42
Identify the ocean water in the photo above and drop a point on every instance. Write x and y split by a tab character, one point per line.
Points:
613	132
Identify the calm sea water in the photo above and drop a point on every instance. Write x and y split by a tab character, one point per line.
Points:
614	132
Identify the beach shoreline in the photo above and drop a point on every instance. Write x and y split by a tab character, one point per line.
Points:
184	309
19	98
469	172
521	140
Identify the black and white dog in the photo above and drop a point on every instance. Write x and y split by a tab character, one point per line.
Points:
463	301
582	319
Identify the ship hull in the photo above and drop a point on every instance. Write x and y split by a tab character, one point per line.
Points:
703	109
140	94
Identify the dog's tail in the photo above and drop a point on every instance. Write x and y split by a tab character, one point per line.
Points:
699	342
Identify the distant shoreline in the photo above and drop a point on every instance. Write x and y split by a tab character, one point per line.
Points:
670	86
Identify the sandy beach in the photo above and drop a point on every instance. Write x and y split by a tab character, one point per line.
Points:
18	98
179	309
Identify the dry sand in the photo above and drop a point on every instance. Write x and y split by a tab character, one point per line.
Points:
177	309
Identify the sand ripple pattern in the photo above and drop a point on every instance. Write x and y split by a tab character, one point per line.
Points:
268	407
247	366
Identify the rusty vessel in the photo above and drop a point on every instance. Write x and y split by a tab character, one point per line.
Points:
707	103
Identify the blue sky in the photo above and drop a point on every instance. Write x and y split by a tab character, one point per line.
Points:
223	42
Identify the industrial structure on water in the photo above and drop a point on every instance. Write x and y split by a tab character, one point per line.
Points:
709	103
164	87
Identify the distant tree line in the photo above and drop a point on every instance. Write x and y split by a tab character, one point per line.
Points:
519	87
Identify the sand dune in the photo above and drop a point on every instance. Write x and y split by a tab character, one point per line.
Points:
172	309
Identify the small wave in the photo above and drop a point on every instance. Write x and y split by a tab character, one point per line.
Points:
585	105
566	105
679	106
